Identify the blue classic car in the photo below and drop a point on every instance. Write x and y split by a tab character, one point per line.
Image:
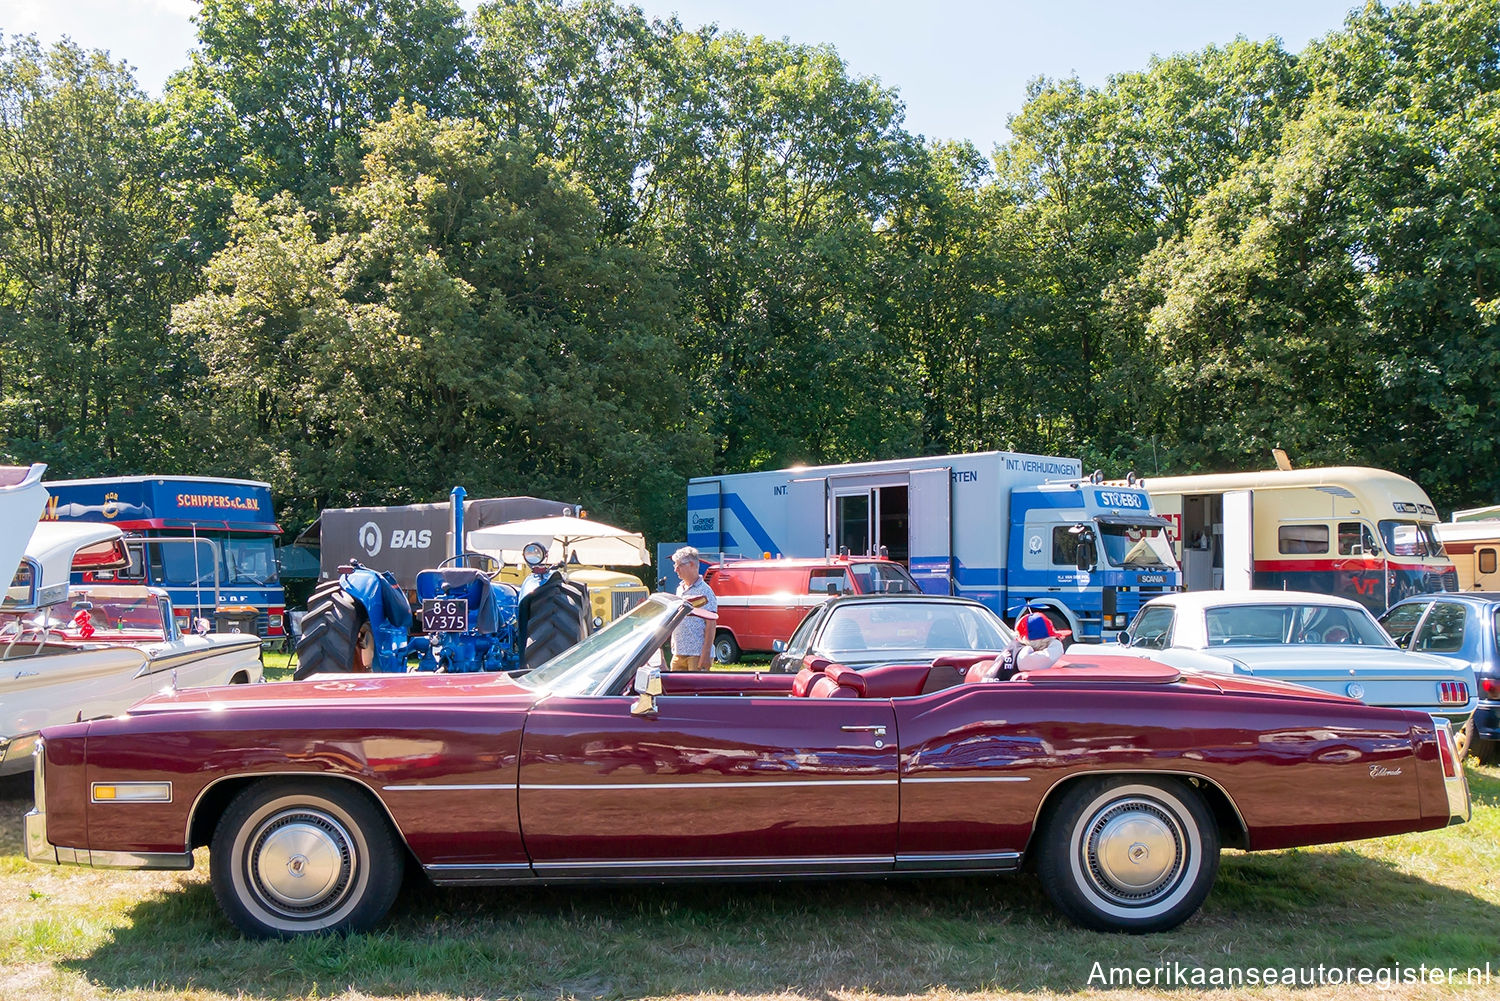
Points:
1463	627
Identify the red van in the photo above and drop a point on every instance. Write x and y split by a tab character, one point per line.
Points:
761	601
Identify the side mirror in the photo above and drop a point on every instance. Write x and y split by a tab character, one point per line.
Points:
1123	638
1084	557
648	686
778	646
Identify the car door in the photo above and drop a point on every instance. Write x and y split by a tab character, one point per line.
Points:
769	785
1402	620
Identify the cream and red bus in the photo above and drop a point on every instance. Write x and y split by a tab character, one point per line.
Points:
1363	533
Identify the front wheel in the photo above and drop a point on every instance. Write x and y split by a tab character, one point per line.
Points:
290	857
1131	855
726	650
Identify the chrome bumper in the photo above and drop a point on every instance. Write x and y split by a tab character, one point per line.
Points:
1460	809
39	849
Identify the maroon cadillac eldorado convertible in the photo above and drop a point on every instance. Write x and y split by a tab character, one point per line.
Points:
1119	778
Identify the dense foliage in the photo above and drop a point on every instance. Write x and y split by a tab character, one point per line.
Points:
370	249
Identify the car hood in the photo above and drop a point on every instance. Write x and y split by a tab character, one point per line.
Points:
343	689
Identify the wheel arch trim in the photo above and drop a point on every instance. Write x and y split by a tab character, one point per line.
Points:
1240	839
248	778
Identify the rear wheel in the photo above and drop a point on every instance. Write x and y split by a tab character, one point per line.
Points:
336	634
1128	854
726	650
1463	739
1486	752
291	857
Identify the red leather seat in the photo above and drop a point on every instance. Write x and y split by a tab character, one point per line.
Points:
838	682
895	681
803	682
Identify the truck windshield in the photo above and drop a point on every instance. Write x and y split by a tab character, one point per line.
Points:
1410	538
883	578
1135	547
243	559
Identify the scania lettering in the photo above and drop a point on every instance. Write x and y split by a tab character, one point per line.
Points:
1361	533
1007	529
210	542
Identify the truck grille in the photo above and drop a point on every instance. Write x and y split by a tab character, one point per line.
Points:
624	599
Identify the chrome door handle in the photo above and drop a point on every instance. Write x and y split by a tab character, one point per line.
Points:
878	731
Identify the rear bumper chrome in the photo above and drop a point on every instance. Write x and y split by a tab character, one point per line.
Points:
1460	810
39	849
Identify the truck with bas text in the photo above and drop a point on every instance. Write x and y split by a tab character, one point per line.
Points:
1007	529
209	542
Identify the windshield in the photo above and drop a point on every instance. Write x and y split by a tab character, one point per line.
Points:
1135	546
1259	625
1410	538
243	559
589	667
882	578
910	626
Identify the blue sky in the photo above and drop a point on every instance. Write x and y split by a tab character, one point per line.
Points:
961	65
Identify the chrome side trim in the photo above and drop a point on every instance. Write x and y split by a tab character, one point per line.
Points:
418	787
964	778
915	863
625	864
124	860
747	784
943	862
457	874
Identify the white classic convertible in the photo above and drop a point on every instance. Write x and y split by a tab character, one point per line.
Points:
1317	640
70	653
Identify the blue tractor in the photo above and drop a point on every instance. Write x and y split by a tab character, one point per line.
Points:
469	622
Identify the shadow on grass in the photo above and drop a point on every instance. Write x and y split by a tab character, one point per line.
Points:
1298	908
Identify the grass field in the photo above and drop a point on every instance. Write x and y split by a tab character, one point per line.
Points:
1401	902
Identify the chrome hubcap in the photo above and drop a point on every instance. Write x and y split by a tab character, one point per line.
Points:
301	862
1134	851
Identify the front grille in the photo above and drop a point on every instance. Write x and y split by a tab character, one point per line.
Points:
624	599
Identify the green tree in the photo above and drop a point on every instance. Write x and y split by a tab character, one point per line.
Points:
90	261
465	321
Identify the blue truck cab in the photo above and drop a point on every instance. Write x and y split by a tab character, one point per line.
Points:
1089	553
209	542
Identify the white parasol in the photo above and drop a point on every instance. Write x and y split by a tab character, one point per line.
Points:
593	542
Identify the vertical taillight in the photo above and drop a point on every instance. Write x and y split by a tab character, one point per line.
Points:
1447	751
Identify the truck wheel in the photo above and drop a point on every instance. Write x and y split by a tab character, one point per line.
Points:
336	635
553	618
292	857
726	650
1128	854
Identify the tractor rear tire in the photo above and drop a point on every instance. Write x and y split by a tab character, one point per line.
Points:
336	635
556	618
